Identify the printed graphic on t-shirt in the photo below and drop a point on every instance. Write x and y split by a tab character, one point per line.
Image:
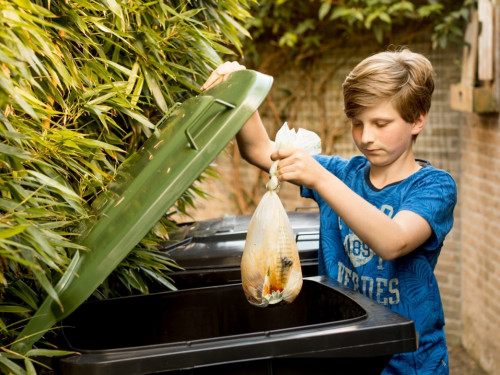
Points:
357	251
384	291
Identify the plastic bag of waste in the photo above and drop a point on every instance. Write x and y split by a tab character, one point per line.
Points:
270	267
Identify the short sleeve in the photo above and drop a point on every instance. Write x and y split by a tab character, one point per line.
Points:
306	193
434	198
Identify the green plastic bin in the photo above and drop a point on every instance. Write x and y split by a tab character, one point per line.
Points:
146	186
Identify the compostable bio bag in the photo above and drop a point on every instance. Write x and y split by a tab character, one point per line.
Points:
270	265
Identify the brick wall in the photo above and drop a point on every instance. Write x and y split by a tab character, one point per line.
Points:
241	186
480	198
480	226
440	144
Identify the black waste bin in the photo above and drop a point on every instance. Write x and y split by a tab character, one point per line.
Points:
328	329
209	251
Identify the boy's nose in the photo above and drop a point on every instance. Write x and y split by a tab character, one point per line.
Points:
368	135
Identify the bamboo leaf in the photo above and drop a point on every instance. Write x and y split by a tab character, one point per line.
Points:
45	251
102	98
155	89
132	78
115	7
45	180
15	92
162	280
13	309
95	169
30	367
47	286
93	143
139	118
10	232
236	25
3	327
10	365
48	353
70	273
14	151
22	291
21	261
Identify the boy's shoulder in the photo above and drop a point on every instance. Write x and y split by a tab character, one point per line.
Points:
431	184
429	172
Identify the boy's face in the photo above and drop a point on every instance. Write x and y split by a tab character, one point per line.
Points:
382	135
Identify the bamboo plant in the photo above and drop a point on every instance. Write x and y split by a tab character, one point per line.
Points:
82	85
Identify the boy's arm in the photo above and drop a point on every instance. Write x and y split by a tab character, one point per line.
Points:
253	141
389	238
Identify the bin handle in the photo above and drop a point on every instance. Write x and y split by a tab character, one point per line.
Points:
201	118
175	245
308	236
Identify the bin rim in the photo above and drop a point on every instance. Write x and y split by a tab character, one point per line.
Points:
379	332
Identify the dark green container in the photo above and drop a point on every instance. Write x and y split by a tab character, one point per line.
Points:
147	185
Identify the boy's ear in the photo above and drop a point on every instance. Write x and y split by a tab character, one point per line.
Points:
419	124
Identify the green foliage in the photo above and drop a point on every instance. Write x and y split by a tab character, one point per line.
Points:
308	27
82	83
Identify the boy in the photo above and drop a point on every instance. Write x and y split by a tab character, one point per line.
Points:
383	214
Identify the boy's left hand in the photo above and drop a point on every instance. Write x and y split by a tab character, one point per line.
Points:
220	74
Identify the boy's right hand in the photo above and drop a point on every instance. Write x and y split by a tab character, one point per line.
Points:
220	74
298	167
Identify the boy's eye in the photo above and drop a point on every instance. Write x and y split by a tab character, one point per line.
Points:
381	123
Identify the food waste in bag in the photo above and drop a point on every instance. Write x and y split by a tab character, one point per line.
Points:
270	266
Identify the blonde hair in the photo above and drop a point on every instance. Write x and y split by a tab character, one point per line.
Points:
403	77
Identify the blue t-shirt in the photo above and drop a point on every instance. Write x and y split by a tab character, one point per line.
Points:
406	285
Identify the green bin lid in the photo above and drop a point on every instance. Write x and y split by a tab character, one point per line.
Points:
147	184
